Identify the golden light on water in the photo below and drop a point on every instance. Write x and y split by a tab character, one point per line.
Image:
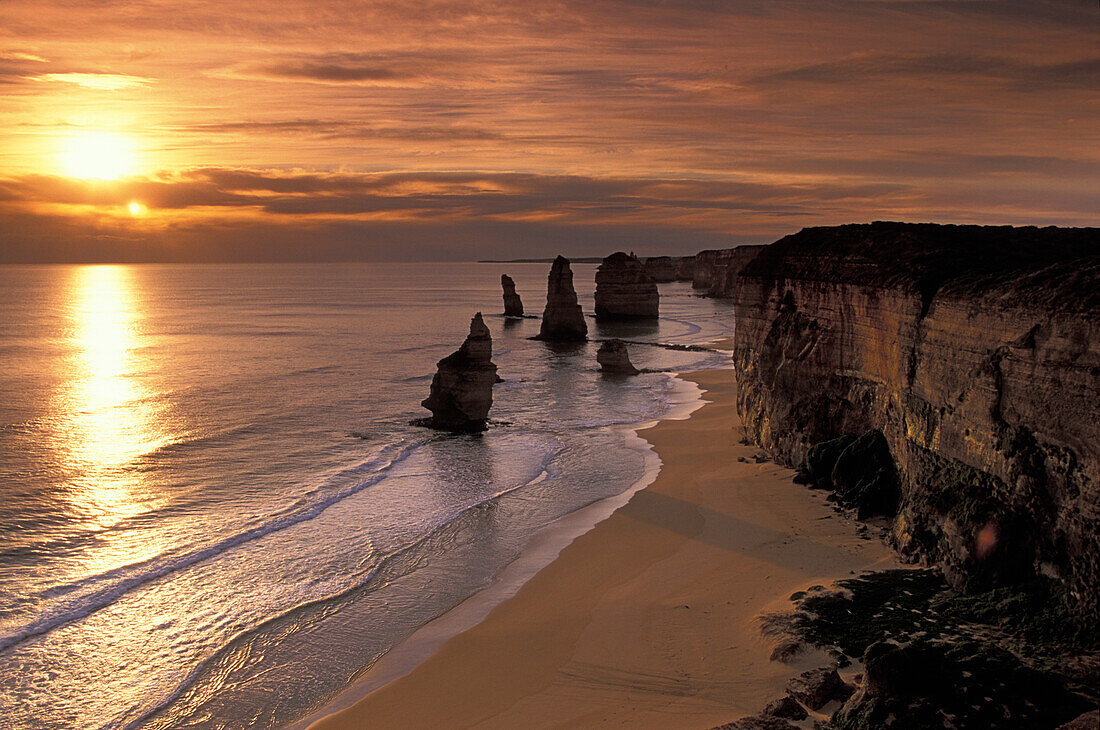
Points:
110	419
100	155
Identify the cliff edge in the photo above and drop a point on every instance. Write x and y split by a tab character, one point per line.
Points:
974	351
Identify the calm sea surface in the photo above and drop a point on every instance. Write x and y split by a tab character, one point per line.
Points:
213	509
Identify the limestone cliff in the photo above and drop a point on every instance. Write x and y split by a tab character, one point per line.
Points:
562	320
513	305
462	389
660	268
975	351
624	290
715	271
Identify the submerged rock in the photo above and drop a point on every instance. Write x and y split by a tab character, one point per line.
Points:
513	305
614	359
624	290
462	389
562	320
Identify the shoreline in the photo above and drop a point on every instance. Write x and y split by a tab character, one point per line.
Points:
541	550
631	623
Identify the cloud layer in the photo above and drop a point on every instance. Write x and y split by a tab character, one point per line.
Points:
508	124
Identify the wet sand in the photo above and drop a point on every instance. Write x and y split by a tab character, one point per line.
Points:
650	619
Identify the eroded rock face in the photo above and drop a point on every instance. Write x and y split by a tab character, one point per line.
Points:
624	290
716	271
818	687
660	268
513	305
462	389
974	351
685	268
614	358
562	320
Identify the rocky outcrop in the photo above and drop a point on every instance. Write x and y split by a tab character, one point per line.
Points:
562	320
624	291
685	268
513	305
974	352
716	271
614	359
462	389
660	268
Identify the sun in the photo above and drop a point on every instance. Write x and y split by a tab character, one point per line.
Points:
104	155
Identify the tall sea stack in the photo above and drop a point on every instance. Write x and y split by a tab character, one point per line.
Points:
562	320
624	290
462	389
513	305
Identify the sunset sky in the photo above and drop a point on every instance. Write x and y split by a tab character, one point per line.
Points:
292	129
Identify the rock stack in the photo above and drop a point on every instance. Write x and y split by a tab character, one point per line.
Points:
562	320
624	290
513	305
462	389
614	359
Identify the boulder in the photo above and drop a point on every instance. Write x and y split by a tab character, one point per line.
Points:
462	389
786	707
614	359
624	290
562	320
513	305
817	687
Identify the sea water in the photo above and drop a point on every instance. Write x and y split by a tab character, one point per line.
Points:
214	511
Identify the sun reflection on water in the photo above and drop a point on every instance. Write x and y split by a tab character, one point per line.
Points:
111	420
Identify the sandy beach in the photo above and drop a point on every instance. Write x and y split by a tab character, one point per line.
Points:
651	619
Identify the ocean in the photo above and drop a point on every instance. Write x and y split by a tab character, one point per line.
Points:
214	511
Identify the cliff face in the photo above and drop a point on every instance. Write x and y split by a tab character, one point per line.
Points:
975	351
660	268
716	271
624	290
462	389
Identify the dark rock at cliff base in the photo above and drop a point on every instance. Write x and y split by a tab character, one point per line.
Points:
977	685
562	320
817	687
787	707
1088	721
614	359
462	389
975	351
513	305
624	291
859	469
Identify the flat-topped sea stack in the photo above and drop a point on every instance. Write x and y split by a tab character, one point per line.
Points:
462	389
624	290
562	320
614	359
972	354
513	305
